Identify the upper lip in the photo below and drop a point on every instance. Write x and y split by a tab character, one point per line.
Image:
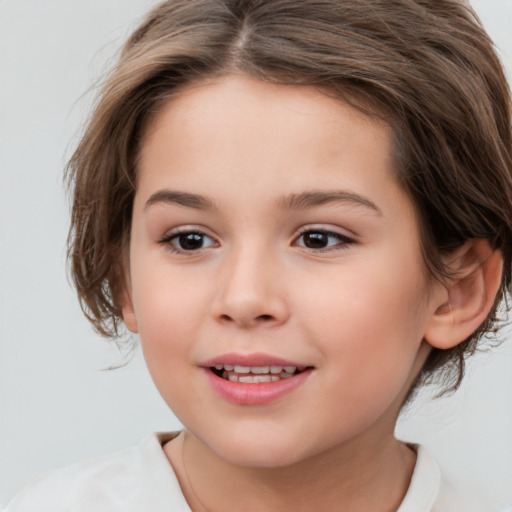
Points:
255	359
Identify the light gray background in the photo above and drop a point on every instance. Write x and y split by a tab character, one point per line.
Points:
57	405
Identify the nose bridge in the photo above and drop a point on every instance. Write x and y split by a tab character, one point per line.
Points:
249	291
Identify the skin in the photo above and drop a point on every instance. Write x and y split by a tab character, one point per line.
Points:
357	310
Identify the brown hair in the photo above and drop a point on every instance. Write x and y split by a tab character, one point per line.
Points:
426	66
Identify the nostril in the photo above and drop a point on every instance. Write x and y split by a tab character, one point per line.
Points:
245	319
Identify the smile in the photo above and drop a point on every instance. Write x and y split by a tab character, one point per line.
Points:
255	374
254	379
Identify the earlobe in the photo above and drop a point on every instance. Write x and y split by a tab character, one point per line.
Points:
123	292
129	317
465	301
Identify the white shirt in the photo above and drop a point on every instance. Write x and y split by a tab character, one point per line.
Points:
141	479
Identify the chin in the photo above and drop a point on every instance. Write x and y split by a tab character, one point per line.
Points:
272	450
256	457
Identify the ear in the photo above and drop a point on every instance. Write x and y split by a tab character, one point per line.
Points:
122	290
124	296
126	303
462	305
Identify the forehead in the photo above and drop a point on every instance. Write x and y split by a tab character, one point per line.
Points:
234	116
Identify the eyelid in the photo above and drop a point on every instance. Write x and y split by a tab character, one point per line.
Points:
328	228
187	228
345	239
169	236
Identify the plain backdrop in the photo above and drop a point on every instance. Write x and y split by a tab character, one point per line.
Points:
58	404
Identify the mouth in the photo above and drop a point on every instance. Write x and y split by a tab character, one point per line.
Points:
256	378
256	374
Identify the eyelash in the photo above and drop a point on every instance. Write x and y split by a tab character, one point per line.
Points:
167	241
343	241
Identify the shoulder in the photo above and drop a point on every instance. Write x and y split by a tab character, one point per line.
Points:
455	497
134	479
459	496
429	491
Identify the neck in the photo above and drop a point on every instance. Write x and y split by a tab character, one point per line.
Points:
367	473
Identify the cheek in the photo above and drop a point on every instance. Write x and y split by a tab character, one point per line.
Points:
169	308
168	326
369	324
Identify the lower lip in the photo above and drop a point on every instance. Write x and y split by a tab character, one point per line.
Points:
259	393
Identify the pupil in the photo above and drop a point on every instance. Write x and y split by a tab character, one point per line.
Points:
315	240
191	241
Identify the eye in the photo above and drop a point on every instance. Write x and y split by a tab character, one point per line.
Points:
320	239
188	241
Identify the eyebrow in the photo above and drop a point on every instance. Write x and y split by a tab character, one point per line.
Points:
300	201
312	199
180	198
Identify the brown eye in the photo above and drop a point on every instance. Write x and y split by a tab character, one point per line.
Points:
188	241
315	240
320	239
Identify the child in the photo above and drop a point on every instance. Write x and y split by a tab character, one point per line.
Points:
304	208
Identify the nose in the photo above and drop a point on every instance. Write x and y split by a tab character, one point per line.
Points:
251	291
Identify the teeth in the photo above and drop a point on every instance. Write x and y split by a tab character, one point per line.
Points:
239	373
254	378
251	379
260	369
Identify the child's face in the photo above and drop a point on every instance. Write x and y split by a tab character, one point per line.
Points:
269	230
